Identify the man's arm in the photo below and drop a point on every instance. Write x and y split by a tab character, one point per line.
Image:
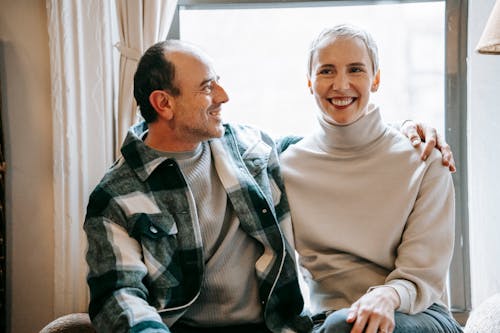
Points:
118	296
418	132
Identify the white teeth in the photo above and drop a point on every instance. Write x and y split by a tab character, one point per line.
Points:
342	101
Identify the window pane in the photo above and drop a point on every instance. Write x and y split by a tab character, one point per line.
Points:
261	56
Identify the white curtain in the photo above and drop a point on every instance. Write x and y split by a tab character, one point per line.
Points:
141	23
81	54
82	101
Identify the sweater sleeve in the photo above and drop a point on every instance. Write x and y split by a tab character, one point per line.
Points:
426	248
118	297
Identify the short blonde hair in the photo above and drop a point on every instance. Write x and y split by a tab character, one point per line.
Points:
345	31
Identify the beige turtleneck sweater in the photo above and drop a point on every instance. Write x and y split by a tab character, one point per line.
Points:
367	211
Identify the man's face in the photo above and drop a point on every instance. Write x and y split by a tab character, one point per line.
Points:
342	78
197	115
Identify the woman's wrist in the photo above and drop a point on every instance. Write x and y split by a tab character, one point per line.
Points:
389	294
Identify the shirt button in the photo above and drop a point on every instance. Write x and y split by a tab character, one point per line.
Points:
153	229
264	210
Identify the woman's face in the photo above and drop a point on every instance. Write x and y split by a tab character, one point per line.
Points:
342	79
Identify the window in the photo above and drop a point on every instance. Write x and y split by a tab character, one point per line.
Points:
261	56
260	51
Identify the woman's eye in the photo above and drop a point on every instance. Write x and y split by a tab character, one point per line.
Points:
356	69
325	71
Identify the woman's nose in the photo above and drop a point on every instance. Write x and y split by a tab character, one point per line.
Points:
340	81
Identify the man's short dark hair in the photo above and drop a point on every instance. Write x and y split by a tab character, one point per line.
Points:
154	72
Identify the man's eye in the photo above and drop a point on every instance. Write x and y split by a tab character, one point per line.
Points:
207	89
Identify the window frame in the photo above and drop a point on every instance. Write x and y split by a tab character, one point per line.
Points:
455	117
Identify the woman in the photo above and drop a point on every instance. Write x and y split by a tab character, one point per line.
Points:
373	223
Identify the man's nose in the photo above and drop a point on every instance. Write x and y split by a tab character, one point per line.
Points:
220	95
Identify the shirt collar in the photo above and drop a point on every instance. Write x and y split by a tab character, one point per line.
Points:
142	159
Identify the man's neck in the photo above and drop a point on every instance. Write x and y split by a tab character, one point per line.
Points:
164	140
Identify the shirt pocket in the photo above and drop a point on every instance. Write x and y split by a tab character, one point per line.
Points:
157	234
154	226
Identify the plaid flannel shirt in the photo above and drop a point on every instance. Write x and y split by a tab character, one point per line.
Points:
144	243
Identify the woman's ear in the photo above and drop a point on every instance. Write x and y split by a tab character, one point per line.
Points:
376	82
163	104
309	84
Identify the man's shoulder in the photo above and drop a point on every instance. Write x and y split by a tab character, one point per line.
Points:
119	178
119	190
243	129
119	171
247	134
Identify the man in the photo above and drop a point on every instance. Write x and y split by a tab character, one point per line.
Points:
188	227
189	231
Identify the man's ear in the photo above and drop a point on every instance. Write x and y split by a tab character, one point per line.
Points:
163	104
376	82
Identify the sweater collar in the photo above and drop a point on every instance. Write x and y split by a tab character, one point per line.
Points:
360	133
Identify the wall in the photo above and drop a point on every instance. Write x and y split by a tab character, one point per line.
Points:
27	118
484	159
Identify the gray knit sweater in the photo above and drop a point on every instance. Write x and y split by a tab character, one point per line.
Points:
229	253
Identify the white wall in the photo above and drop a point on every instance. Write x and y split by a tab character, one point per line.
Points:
27	121
484	159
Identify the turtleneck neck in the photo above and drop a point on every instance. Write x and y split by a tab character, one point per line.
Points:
356	135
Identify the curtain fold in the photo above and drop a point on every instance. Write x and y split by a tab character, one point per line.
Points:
141	23
81	69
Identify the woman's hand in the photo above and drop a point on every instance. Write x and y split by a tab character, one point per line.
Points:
374	311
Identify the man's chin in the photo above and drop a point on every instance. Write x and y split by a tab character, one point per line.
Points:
218	132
